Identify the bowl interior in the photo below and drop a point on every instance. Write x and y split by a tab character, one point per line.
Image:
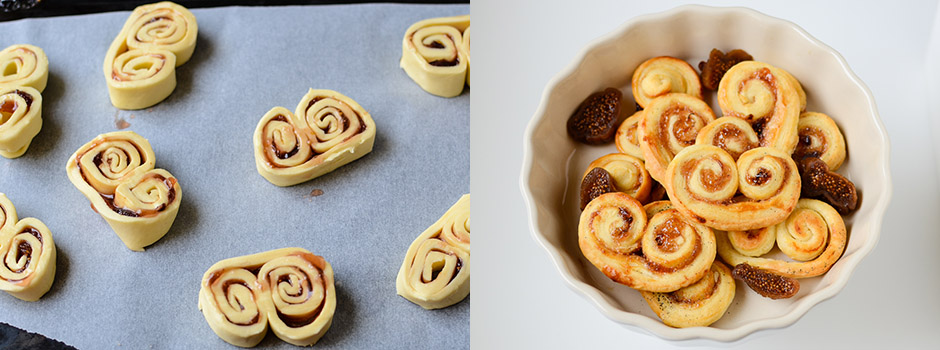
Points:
554	163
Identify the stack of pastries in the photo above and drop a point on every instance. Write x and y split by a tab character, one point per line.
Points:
693	200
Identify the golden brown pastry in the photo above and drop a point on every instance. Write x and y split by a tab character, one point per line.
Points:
810	219
627	139
767	97
326	131
436	270
659	76
755	242
140	65
663	253
698	305
291	289
669	124
703	182
627	172
434	56
24	76
734	135
820	137
28	254
115	171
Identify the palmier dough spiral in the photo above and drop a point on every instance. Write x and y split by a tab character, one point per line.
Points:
628	172
27	254
326	131
734	135
698	305
24	65
662	75
436	270
669	124
434	56
755	242
290	288
820	137
115	171
703	180
20	119
767	97
813	221
140	65
628	138
660	254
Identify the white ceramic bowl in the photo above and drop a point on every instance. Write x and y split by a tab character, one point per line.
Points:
553	163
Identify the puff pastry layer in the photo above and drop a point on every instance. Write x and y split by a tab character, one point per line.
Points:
435	54
326	131
24	71
698	305
436	270
27	250
115	171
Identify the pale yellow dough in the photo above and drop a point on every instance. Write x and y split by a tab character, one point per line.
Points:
239	304
437	40
27	277
140	65
24	70
291	148
444	249
150	197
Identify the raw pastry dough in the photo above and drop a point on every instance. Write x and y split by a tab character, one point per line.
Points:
140	66
628	172
627	138
697	305
436	270
115	171
24	70
811	218
291	289
434	56
703	180
669	124
28	254
465	45
765	96
662	75
820	137
674	250
326	131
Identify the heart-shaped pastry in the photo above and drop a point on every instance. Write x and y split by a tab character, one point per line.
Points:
27	251
291	289
115	171
436	270
326	131
24	70
435	53
140	66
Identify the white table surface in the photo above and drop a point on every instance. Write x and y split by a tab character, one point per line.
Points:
521	301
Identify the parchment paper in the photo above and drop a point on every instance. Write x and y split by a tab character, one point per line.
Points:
247	60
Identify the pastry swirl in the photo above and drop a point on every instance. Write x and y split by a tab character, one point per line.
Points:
115	171
140	65
465	46
697	305
628	138
433	54
628	173
24	65
659	253
703	180
20	119
27	268
734	135
820	137
811	218
767	97
436	270
669	124
326	131
291	289
753	242
662	75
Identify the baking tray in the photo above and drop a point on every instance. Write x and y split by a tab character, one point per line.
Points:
247	60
